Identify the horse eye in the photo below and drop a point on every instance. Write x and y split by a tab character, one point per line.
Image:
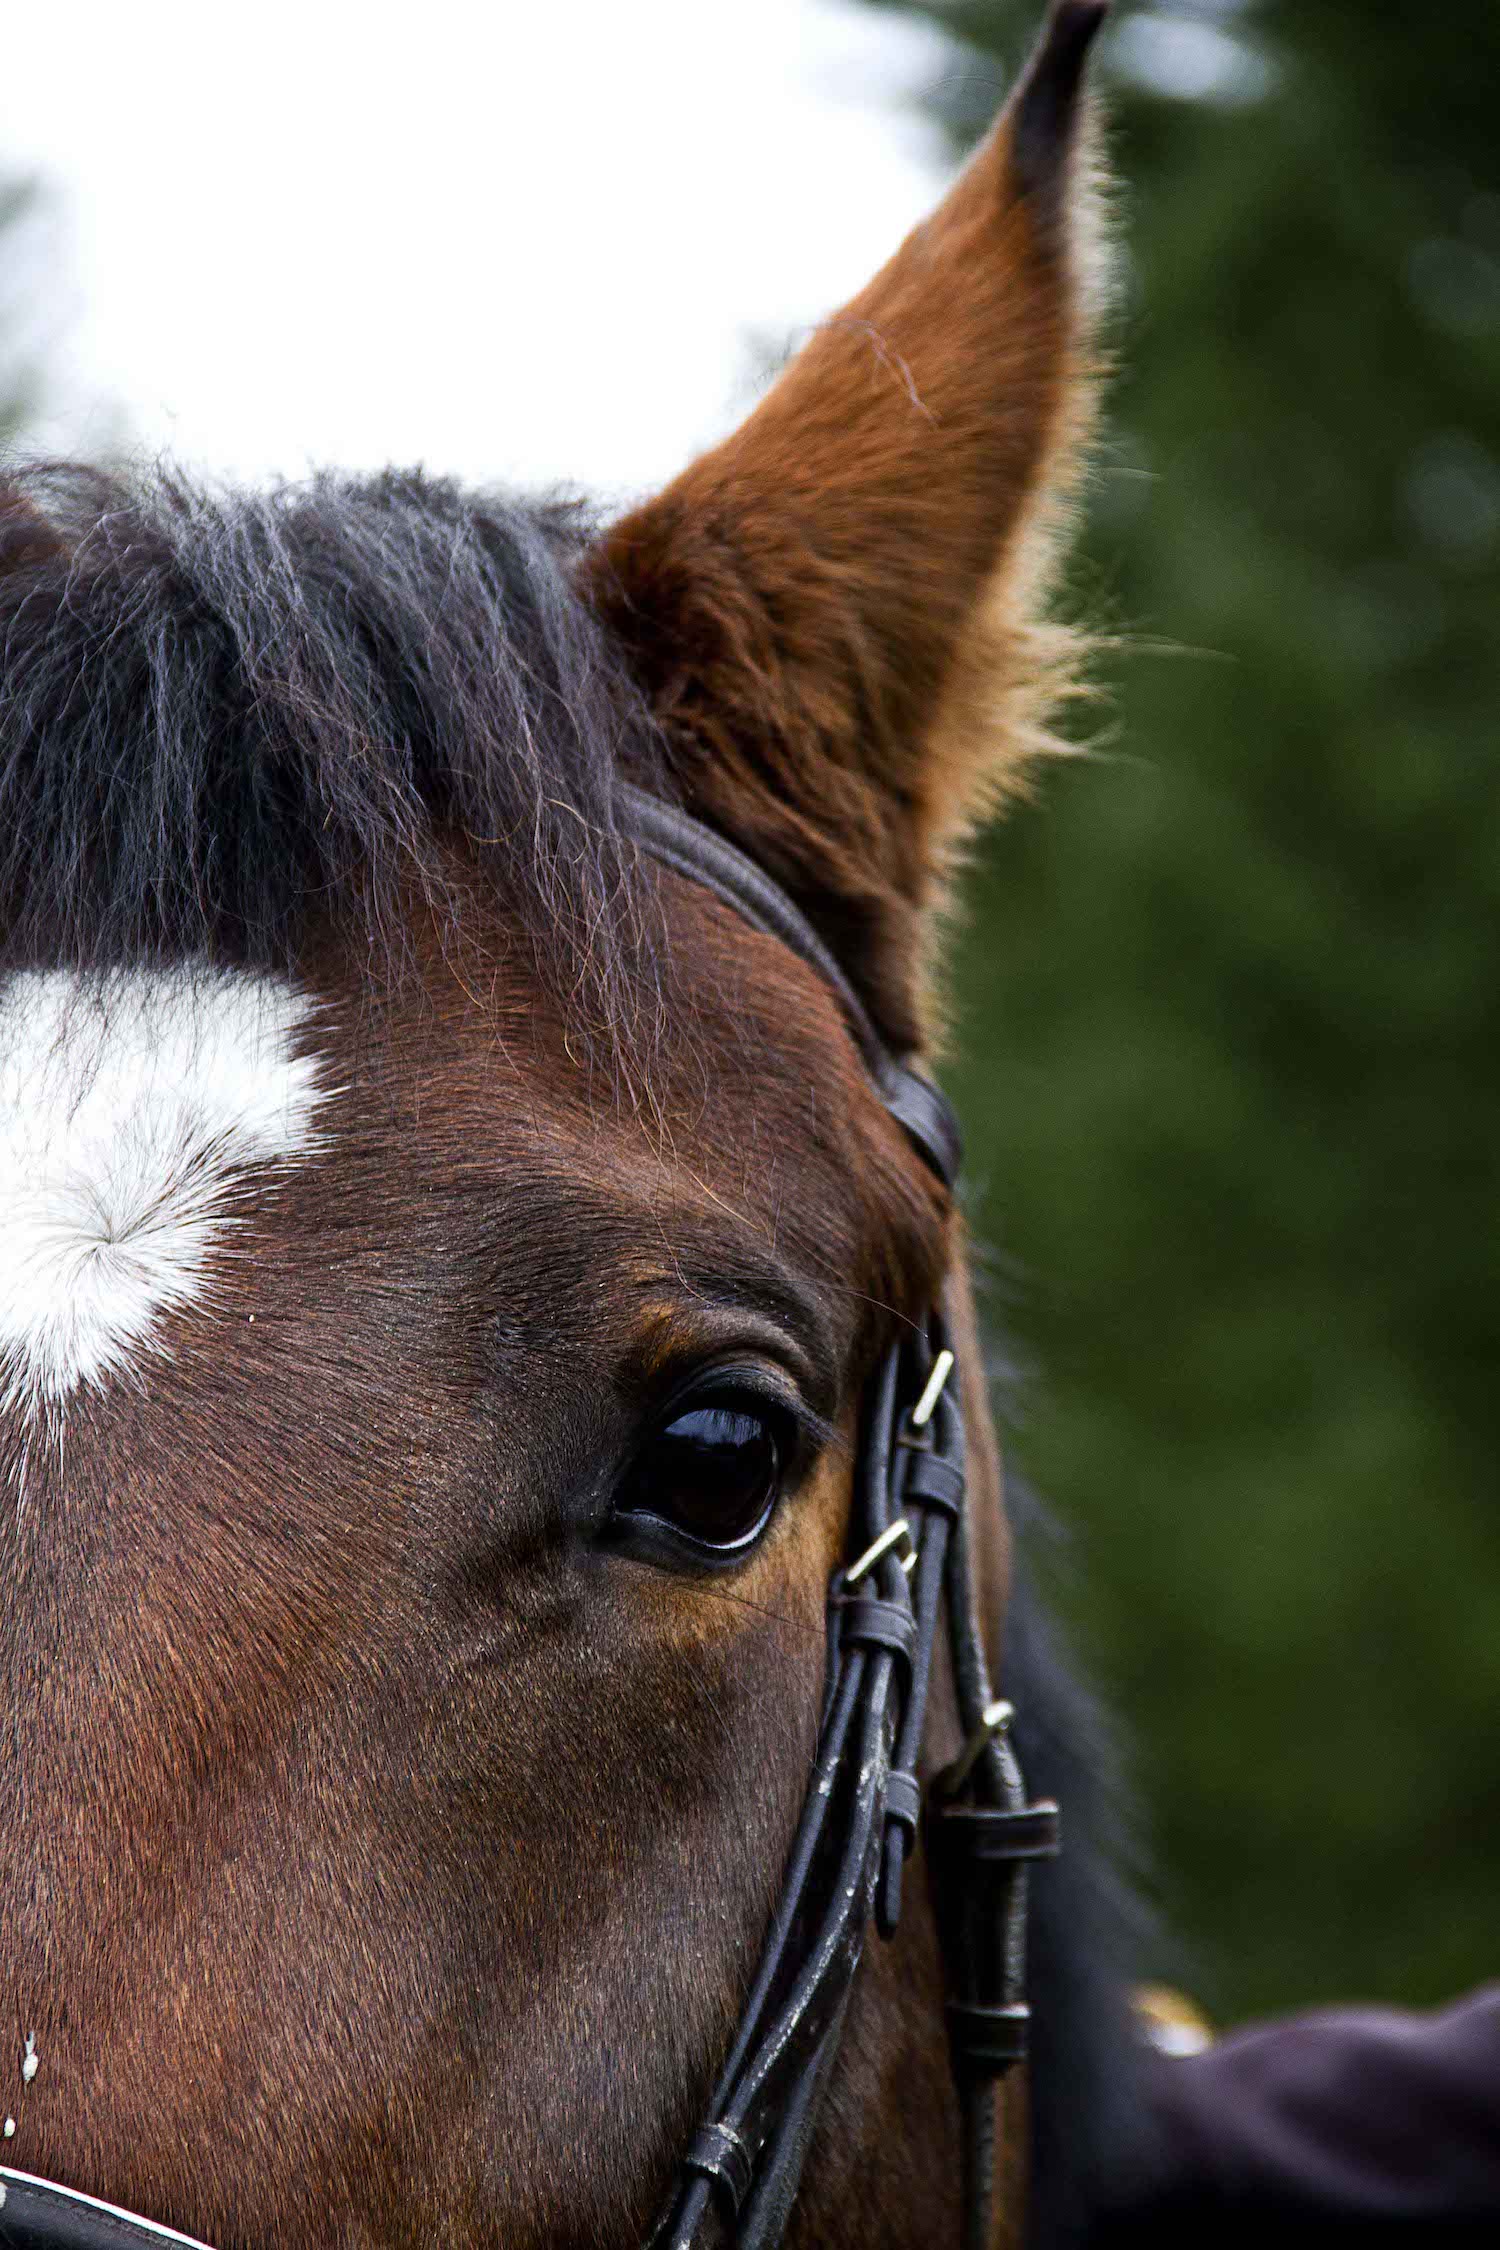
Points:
712	1473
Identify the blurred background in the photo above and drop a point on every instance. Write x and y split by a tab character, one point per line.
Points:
1229	1035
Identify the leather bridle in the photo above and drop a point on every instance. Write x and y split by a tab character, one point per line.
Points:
908	1567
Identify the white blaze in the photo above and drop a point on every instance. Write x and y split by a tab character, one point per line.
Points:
133	1117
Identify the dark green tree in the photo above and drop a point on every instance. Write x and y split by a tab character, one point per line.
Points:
1230	1029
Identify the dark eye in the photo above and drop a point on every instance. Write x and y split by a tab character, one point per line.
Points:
712	1474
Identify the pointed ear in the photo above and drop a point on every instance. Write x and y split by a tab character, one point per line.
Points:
833	614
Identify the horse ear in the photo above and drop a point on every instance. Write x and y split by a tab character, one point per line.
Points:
834	614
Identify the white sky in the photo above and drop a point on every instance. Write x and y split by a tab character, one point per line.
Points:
508	240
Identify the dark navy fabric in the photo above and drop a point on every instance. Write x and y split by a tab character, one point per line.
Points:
1345	2125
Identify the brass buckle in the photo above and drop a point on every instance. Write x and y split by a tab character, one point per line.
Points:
892	1536
932	1390
993	1722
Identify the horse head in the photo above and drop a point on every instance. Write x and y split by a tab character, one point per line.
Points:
456	1218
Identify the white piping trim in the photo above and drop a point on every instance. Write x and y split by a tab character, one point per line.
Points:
94	2203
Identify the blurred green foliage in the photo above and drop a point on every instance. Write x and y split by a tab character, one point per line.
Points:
18	375
1230	1012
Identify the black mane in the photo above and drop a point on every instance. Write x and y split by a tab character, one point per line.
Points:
1087	1928
222	715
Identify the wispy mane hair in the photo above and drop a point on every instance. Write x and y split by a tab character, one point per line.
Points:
225	717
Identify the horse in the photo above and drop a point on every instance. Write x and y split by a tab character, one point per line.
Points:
486	1343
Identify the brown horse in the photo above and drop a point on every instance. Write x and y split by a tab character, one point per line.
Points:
447	1257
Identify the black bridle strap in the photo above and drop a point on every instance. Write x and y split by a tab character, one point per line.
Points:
749	2154
45	2216
862	1812
675	840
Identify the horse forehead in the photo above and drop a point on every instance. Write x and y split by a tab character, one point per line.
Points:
750	1104
136	1113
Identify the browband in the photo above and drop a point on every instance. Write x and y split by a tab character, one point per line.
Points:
678	841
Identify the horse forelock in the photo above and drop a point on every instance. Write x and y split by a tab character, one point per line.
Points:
229	720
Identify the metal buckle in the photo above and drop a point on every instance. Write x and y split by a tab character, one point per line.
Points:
993	1721
891	1537
932	1390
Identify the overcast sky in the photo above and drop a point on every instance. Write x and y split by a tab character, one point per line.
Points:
512	240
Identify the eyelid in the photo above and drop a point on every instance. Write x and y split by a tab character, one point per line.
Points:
684	1333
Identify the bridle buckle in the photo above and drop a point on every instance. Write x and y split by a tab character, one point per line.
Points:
895	1535
994	1721
932	1389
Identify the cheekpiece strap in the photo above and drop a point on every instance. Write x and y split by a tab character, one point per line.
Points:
909	1567
859	1820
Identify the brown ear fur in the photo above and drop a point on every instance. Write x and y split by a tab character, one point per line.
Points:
833	614
25	535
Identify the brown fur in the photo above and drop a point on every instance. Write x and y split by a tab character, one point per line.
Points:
835	614
306	1646
26	537
384	1860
